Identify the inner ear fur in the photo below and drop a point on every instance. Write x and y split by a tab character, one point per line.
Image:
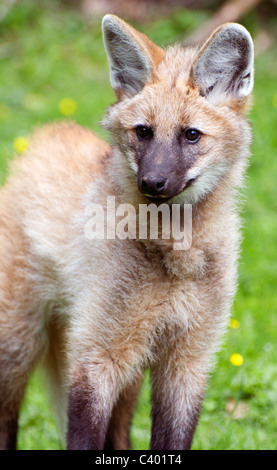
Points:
132	56
224	65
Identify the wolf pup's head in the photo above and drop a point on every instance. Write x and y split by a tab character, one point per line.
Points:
179	118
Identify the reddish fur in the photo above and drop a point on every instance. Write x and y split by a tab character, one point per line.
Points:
102	311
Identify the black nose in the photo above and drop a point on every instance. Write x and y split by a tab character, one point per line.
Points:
153	184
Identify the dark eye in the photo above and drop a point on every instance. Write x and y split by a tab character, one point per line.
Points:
192	135
144	132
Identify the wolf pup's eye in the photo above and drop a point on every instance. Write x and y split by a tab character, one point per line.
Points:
144	132
192	135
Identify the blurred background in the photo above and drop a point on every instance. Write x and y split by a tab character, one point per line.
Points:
53	67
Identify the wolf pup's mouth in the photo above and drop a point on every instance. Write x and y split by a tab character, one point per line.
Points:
159	199
189	183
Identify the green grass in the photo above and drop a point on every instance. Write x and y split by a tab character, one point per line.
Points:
47	54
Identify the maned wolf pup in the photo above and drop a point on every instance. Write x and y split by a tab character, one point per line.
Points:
100	311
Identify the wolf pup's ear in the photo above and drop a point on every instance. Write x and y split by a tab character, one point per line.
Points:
224	65
132	56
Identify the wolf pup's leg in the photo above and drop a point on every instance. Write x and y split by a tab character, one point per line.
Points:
93	393
118	435
178	388
20	346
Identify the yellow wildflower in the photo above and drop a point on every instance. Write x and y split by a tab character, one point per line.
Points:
236	359
235	324
67	106
20	144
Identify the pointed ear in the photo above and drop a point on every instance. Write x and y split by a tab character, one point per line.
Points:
132	57
224	65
